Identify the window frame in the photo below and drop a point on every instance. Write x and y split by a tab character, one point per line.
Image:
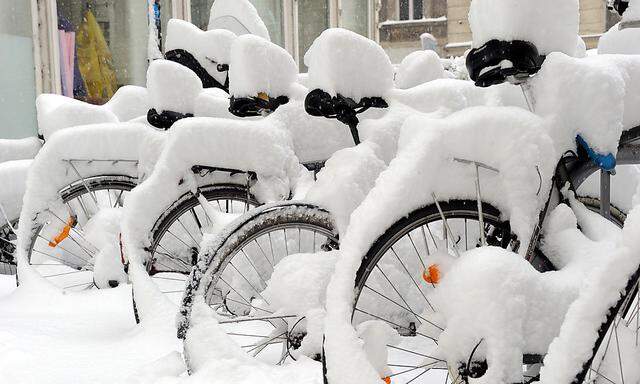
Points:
411	5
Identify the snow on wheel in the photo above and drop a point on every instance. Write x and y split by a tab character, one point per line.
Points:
394	280
66	249
178	232
7	248
261	280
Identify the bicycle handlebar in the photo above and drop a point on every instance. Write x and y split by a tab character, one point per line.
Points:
321	104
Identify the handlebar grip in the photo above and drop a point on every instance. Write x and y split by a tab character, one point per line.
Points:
604	162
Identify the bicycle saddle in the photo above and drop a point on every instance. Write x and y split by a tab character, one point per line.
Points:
620	6
321	104
165	119
185	58
498	61
255	106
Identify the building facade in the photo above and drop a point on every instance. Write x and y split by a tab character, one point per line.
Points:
401	22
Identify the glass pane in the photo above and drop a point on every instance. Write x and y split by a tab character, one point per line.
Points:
417	9
165	15
270	12
355	16
17	78
313	18
103	45
404	9
200	10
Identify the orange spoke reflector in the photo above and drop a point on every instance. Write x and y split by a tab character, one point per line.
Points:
64	233
387	380
432	274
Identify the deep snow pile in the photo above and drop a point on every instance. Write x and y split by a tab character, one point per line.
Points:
172	87
337	68
259	66
598	114
419	67
209	48
551	25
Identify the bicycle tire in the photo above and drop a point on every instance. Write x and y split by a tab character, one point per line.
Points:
70	193
250	230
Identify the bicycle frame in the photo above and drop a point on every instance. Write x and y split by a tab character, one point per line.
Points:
574	169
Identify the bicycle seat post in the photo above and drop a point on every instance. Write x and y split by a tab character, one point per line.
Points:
605	194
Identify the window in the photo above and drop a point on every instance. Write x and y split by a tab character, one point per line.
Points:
17	78
354	15
313	18
104	44
411	9
270	12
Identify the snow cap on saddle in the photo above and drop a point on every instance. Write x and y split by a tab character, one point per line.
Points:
260	67
550	25
343	62
172	87
206	53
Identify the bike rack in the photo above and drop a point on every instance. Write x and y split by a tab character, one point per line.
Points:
477	165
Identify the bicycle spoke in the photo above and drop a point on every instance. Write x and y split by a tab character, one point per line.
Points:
412	279
395	324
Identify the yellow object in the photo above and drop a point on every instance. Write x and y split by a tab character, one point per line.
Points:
64	233
432	274
95	60
263	96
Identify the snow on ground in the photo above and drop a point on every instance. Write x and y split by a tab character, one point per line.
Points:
84	337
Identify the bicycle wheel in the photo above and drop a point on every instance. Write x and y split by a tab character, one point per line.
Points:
237	273
617	349
177	234
391	286
7	248
60	249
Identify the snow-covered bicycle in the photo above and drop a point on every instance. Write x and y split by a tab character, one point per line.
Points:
240	265
429	308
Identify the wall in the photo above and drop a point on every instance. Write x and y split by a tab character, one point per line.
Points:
17	78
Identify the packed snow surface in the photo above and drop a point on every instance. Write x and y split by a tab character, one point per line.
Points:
551	25
259	66
85	337
343	62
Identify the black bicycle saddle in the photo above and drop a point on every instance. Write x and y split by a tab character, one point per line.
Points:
255	106
185	58
485	64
